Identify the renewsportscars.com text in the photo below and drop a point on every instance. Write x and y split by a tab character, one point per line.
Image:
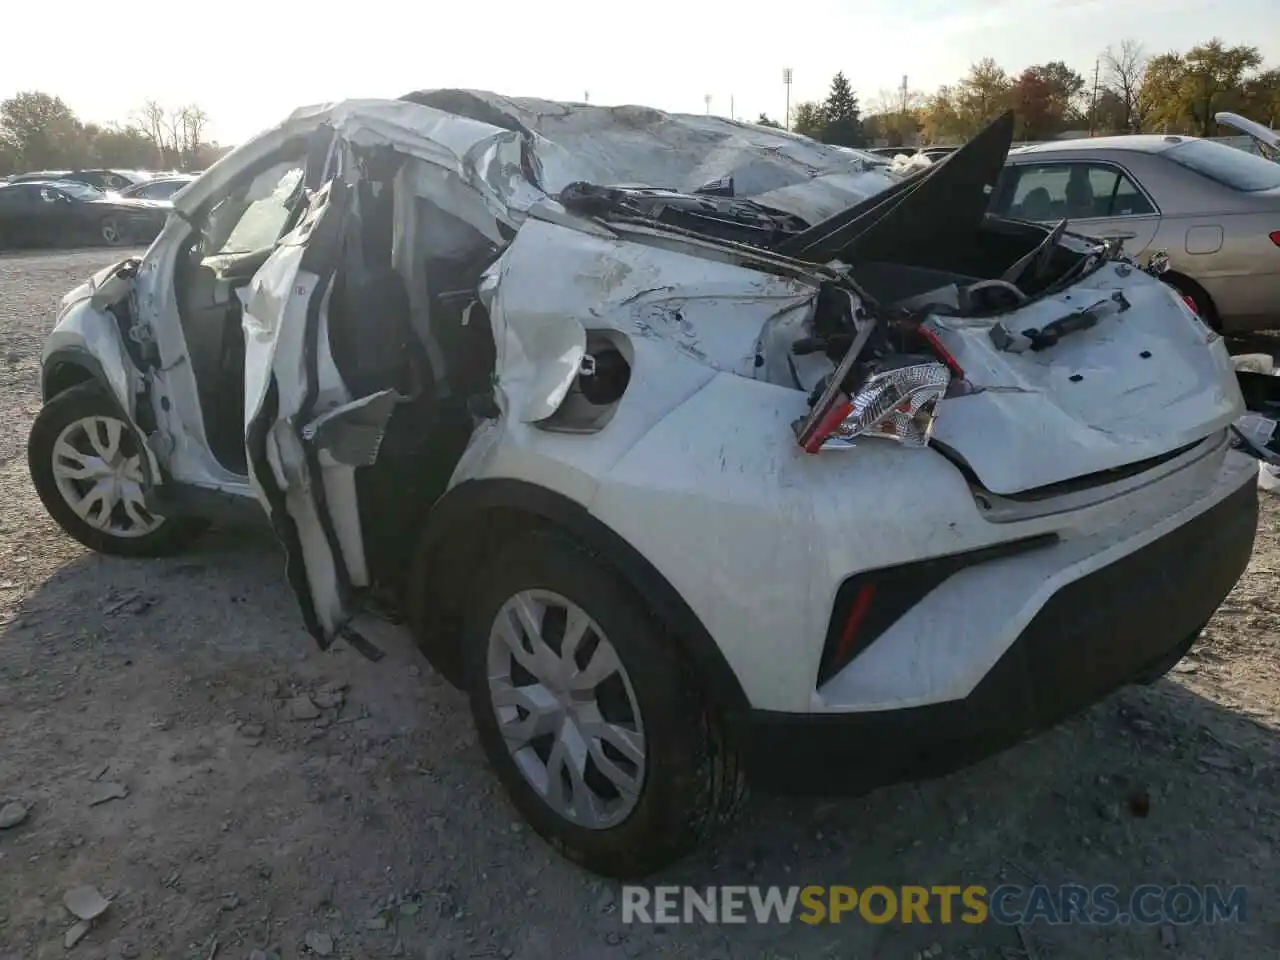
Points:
942	904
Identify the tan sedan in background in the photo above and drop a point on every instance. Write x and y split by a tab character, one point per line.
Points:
1213	209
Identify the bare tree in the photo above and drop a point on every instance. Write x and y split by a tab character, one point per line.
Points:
1125	71
178	133
152	119
191	122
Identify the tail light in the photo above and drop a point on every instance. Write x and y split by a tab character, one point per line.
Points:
1275	237
896	404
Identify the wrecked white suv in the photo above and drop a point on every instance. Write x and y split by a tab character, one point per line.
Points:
771	469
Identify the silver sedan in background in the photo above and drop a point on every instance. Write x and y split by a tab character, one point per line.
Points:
1213	209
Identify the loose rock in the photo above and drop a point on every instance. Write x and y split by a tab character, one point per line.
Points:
330	695
12	814
319	943
301	708
105	792
85	902
128	950
1219	760
75	934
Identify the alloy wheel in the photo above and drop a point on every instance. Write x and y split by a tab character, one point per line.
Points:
566	709
98	472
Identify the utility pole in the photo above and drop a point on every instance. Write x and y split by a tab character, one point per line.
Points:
904	94
706	97
786	82
731	113
1093	105
586	96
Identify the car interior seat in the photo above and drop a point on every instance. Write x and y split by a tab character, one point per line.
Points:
1037	205
1080	200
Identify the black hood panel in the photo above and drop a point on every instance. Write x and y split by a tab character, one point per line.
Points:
946	203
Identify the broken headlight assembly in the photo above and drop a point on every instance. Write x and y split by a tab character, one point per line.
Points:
883	390
896	404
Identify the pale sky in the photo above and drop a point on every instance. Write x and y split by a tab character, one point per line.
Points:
248	63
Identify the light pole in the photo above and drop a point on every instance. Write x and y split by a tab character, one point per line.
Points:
786	82
706	98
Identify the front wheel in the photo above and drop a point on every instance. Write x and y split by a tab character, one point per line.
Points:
86	465
592	720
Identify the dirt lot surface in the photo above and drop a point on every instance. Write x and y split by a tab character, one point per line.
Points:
374	829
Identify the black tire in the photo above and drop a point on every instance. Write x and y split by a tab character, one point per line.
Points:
693	783
91	400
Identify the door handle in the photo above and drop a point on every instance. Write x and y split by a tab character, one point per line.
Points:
1120	235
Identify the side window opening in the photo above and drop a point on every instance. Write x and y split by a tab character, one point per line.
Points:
254	218
1076	191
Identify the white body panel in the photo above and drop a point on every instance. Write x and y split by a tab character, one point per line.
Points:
699	468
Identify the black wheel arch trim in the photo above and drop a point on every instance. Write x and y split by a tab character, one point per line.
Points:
53	383
455	517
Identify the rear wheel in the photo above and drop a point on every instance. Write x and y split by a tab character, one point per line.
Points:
86	465
593	722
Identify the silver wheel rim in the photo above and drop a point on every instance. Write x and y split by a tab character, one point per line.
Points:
100	479
110	231
566	709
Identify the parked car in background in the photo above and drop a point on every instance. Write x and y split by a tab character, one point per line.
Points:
64	212
161	189
105	180
1213	209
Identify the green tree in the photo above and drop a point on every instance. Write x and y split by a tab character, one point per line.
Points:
807	119
1261	96
1161	102
764	121
1215	73
842	120
1043	98
1110	114
940	118
982	95
125	147
40	130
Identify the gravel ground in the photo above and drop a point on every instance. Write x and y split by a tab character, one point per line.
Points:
376	829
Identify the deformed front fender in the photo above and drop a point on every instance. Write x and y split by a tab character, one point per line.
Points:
88	337
86	344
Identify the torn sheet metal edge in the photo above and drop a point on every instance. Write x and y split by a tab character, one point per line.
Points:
352	433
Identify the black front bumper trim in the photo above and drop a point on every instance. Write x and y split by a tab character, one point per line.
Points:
1095	635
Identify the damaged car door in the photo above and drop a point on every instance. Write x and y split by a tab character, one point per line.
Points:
305	433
